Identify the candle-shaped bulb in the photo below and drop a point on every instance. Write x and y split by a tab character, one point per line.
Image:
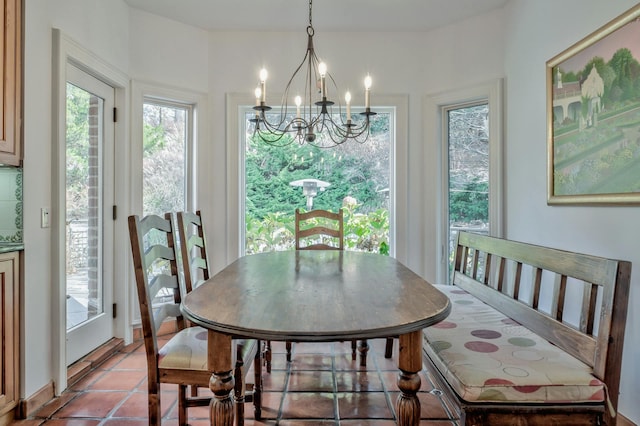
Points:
322	70
263	84
367	88
298	101
258	93
347	99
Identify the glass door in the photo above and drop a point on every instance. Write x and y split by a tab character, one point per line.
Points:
89	224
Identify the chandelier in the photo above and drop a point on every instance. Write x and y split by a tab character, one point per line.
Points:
317	121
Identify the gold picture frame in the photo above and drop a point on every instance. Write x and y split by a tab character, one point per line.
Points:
593	117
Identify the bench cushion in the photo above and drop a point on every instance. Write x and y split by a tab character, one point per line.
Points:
487	357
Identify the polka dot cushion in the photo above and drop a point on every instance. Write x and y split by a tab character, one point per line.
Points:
187	349
486	356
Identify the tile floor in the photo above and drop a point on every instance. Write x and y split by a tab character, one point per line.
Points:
321	386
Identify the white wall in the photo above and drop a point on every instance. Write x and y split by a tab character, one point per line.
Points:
537	31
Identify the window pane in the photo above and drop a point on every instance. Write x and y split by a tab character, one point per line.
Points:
83	205
468	139
353	176
165	128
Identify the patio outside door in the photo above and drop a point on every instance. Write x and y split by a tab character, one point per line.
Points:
89	199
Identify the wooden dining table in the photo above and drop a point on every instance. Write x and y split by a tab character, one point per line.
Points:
315	296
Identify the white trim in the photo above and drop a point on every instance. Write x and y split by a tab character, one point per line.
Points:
398	161
66	50
435	135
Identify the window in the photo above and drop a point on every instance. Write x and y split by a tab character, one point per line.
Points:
468	170
352	176
166	135
468	125
237	108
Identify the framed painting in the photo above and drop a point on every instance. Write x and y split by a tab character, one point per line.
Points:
593	117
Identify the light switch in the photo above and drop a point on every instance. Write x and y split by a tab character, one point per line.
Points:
44	217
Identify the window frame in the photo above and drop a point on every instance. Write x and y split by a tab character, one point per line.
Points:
239	104
436	111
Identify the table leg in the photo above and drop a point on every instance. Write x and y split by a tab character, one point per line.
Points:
221	382
410	364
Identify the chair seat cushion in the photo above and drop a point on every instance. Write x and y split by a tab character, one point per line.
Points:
486	356
187	350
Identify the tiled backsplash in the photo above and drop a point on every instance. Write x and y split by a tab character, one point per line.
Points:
10	205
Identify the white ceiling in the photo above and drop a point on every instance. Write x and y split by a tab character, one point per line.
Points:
328	15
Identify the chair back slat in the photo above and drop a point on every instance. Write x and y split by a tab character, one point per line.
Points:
194	251
156	273
308	225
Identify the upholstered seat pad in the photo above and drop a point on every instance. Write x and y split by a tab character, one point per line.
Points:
188	350
486	356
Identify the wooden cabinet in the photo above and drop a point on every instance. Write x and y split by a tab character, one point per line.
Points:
9	335
11	90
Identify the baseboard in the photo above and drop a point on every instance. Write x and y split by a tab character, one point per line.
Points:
28	406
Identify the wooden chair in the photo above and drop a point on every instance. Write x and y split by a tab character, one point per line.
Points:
183	359
302	233
307	228
195	261
310	234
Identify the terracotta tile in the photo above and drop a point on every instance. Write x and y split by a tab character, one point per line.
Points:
310	381
345	362
308	405
134	361
109	363
312	348
367	422
273	381
358	381
431	406
306	422
72	422
312	362
363	405
136	405
92	404
119	380
126	422
270	406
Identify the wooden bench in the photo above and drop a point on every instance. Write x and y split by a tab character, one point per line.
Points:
534	337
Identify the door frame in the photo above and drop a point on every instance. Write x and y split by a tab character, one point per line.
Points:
66	50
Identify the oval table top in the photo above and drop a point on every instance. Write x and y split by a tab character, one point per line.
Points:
315	295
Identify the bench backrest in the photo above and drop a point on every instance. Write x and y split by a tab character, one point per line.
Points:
539	287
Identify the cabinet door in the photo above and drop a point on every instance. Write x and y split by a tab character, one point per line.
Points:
9	333
11	91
